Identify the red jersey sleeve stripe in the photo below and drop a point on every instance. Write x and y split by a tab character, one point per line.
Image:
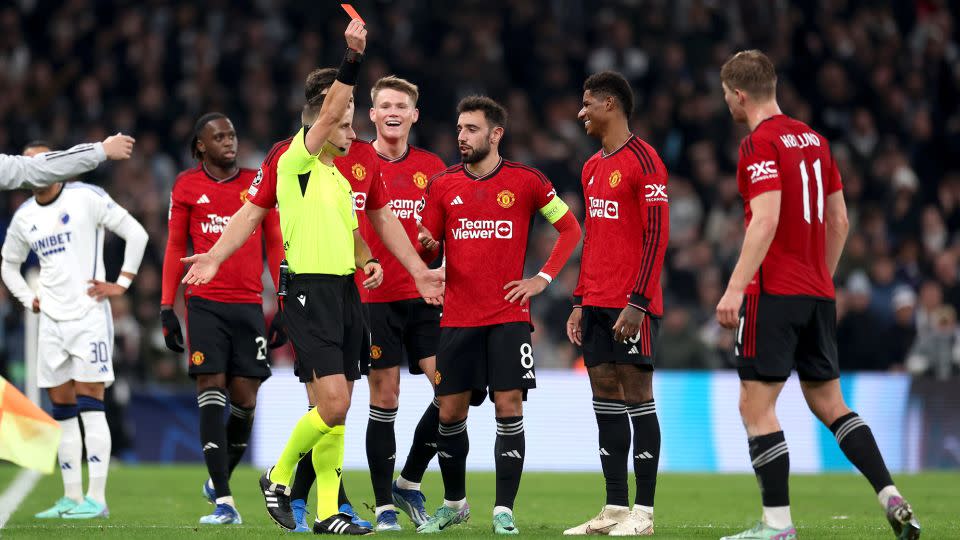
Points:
643	156
650	248
643	164
276	148
535	172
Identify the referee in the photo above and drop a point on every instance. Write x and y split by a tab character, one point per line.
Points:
322	306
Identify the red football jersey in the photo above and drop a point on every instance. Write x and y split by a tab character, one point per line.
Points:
200	208
627	226
785	154
484	223
406	179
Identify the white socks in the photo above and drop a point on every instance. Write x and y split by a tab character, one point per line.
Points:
777	517
456	505
499	509
98	443
381	509
70	454
886	494
403	483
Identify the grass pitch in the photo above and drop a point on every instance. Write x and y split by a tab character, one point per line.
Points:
165	502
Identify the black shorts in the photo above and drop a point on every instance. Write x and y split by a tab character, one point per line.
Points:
324	322
599	346
780	333
405	326
227	338
485	359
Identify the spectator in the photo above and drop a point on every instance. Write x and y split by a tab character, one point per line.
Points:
898	339
938	354
857	342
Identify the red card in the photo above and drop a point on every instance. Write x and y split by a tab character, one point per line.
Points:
352	12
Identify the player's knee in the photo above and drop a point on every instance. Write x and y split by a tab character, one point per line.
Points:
827	411
384	389
211	380
508	404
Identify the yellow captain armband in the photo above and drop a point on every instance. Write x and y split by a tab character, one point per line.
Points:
554	210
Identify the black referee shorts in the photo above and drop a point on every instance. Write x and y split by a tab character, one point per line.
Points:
325	324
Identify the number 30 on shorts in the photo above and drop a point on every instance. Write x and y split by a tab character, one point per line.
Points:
526	356
98	352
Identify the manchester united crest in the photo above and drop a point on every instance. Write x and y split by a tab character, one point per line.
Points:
420	179
437	378
506	198
376	352
359	171
197	358
615	178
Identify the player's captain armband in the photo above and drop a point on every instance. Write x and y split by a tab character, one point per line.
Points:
554	210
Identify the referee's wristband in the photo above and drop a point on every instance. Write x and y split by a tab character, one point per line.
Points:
349	70
373	260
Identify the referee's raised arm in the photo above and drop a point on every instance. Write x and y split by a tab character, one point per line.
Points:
340	94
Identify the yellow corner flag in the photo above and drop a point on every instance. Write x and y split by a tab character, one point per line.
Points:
28	436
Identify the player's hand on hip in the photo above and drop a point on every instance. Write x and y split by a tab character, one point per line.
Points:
628	324
574	328
728	310
374	273
172	334
425	238
356	35
118	146
202	270
430	285
36	305
103	289
524	289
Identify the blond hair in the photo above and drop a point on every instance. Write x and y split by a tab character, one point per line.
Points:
750	71
392	82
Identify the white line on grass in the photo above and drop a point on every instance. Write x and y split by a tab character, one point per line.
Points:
21	486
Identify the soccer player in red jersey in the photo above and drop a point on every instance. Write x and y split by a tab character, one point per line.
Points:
618	302
780	298
225	323
401	323
481	211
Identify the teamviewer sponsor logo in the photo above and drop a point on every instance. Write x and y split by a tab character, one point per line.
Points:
215	225
470	229
602	208
404	208
762	170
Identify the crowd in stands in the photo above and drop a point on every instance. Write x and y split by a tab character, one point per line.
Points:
881	80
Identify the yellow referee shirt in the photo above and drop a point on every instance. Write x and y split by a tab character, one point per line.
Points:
316	213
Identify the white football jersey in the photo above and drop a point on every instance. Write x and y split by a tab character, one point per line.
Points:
67	236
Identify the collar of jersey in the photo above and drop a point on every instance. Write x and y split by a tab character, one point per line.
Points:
218	180
487	176
53	200
402	157
622	146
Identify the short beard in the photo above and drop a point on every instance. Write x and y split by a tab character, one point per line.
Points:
223	163
477	155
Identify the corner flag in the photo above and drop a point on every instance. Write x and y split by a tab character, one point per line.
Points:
28	436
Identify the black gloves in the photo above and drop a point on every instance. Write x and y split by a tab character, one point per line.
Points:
172	334
276	334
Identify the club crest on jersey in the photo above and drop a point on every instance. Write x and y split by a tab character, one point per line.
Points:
420	179
762	170
64	218
197	358
506	198
376	352
615	178
359	171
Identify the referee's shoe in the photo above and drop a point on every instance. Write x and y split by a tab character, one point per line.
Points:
339	524
277	498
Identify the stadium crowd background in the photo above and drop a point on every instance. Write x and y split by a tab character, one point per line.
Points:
880	79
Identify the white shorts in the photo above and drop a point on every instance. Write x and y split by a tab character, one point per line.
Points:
78	350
